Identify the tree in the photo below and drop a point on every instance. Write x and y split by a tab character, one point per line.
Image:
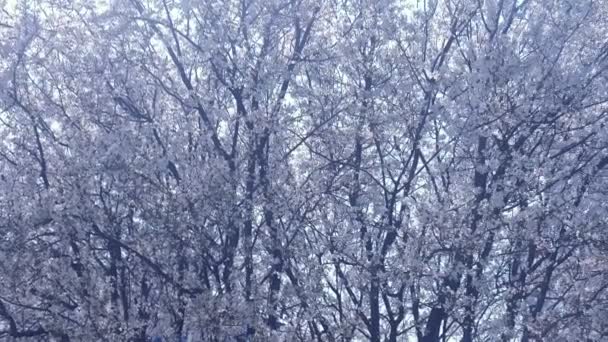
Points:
302	170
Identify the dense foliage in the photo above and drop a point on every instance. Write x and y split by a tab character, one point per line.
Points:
304	170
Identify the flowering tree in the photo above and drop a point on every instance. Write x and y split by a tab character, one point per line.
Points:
281	170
